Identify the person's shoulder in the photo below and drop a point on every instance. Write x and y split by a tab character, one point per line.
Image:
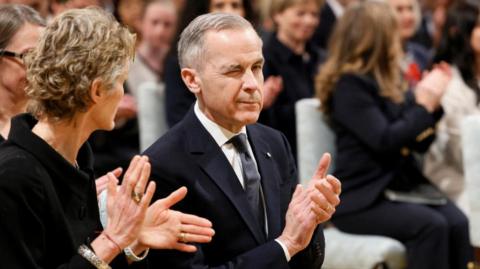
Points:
355	77
272	136
274	49
351	81
171	140
170	149
19	170
352	87
263	130
268	42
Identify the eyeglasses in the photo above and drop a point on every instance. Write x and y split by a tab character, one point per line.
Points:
6	53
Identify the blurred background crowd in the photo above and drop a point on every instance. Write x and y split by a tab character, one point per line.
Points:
304	58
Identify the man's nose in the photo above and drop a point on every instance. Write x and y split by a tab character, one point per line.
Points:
250	81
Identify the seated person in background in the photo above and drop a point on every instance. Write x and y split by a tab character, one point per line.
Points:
240	175
20	28
59	6
460	46
330	13
41	6
378	123
415	57
49	216
158	21
291	59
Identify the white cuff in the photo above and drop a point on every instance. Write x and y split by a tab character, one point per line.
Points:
285	250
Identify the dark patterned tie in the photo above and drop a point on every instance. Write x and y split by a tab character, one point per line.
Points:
251	178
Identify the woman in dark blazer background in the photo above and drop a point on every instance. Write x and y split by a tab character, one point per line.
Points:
378	124
291	63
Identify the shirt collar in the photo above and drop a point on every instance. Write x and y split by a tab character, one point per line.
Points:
337	8
219	134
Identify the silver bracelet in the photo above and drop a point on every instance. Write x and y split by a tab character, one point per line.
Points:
131	255
90	256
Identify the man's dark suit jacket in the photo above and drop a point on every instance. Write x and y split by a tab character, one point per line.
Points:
188	156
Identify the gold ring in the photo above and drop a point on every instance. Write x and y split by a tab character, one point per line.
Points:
182	237
136	197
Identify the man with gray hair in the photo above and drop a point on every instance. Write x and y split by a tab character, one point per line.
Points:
240	175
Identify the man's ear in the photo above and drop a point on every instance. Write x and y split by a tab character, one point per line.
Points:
191	79
96	91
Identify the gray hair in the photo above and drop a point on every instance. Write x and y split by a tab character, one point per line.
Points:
13	17
191	45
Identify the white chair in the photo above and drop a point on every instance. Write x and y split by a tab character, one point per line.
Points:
343	250
471	166
152	120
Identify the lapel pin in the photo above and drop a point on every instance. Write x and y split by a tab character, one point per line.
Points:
269	155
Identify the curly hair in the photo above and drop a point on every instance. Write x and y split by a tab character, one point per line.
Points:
365	41
79	46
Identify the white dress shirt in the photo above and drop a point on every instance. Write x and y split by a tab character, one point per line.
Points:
221	137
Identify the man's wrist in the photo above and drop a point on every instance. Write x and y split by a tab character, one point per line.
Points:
285	249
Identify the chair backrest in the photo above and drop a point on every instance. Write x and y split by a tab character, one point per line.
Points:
314	137
151	113
471	167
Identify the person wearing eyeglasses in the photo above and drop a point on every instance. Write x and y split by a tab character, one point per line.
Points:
49	214
20	28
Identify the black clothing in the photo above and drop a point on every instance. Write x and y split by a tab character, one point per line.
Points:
187	155
115	148
297	72
1	139
374	140
178	98
48	208
325	27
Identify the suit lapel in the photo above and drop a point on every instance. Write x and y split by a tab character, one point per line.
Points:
270	180
212	160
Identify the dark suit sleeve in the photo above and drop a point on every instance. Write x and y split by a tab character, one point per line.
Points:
357	107
178	97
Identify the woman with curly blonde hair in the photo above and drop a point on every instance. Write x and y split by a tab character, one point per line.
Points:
378	124
49	212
